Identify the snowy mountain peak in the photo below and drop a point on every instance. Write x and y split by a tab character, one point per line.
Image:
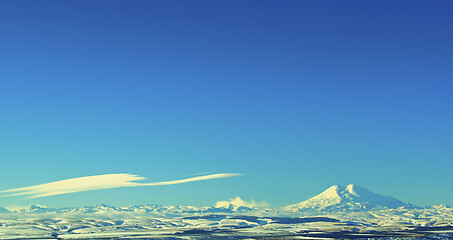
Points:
357	191
351	189
350	198
103	206
237	204
331	192
330	196
38	209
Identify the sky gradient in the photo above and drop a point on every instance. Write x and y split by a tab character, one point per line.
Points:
295	95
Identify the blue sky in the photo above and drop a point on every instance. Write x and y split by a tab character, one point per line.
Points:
295	95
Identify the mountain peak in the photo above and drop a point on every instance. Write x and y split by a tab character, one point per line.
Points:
39	209
356	190
332	192
350	187
35	206
349	198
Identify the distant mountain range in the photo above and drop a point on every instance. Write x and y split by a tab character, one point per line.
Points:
336	199
153	209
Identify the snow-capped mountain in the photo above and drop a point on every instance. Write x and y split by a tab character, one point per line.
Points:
350	198
229	208
34	208
239	205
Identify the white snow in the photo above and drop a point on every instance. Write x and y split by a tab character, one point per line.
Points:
350	198
349	210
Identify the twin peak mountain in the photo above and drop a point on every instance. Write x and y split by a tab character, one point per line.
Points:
351	198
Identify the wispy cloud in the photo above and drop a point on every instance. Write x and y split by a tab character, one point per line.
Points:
98	182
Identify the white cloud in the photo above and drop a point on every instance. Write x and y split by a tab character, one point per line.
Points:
237	201
98	182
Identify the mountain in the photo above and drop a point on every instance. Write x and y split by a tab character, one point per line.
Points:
339	199
229	208
239	205
343	199
38	209
4	210
104	207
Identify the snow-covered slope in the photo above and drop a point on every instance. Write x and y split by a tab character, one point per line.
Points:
350	198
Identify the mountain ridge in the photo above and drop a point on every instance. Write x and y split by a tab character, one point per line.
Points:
337	198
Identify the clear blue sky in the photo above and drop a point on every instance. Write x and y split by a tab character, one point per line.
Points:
296	95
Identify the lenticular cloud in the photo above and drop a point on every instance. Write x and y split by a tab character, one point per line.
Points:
98	182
